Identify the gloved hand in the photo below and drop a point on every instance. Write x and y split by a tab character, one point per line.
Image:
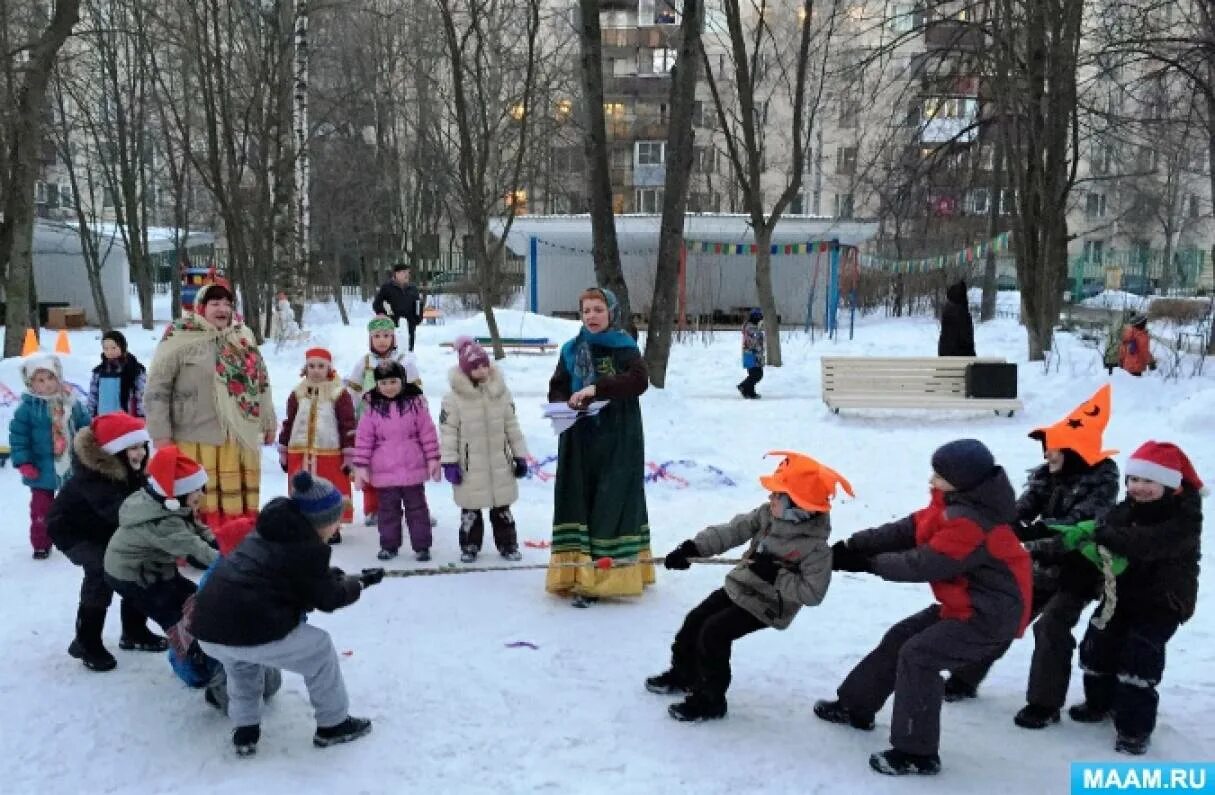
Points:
1075	534
520	467
765	566
453	474
845	558
282	459
371	577
335	572
348	462
1152	365
29	471
1090	550
678	557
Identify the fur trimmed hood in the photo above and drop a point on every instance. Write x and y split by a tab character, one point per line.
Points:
461	384
90	456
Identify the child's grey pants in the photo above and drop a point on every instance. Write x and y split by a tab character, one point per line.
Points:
307	651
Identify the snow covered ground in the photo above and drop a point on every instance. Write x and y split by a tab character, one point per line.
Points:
456	709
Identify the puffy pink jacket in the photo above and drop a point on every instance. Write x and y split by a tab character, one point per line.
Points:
395	448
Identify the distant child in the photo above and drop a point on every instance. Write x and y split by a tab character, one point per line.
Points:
40	437
318	434
1158	529
787	565
396	450
752	353
251	614
483	450
382	349
963	544
1135	352
118	382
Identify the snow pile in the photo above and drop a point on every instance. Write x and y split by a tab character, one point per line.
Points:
511	323
1118	299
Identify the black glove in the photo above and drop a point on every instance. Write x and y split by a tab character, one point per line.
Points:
765	566
678	558
334	571
370	577
520	467
845	558
1152	365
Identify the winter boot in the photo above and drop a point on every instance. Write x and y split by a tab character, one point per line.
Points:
1087	713
957	690
386	554
1033	716
41	554
668	684
900	763
698	707
244	739
344	732
512	554
371	521
1135	746
581	601
135	633
468	555
835	712
87	646
422	555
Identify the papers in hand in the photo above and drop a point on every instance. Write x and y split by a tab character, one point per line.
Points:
562	416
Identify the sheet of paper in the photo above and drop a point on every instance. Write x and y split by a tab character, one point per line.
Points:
562	417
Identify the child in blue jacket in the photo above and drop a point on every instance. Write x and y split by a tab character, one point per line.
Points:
752	353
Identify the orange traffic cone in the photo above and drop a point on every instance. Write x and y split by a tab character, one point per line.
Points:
31	342
61	343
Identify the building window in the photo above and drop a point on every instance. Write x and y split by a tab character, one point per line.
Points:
663	60
1195	207
850	111
563	109
798	205
39	192
705	159
1008	201
978	201
845	160
901	17
614	110
650	153
65	195
843	205
1094	251
107	198
664	13
1094	206
647	200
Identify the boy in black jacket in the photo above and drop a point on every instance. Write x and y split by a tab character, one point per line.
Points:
1158	528
251	612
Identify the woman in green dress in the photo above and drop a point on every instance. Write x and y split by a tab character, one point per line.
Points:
599	508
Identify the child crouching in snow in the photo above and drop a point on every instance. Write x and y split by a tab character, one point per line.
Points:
251	613
787	565
1158	529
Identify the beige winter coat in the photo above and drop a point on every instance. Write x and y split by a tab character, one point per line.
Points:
480	432
800	547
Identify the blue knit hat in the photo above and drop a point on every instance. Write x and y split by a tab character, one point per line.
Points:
755	315
316	498
963	463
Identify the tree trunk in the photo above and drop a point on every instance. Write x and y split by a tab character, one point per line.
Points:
675	194
767	299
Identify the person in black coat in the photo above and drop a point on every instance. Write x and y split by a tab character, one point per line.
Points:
110	456
399	299
251	612
957	329
1158	529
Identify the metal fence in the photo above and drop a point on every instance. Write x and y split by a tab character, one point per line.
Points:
1140	271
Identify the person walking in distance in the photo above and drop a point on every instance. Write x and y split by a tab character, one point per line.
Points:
399	299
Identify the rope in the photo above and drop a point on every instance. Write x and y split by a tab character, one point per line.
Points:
600	564
1109	599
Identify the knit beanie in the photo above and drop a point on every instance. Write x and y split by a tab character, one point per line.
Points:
117	338
40	361
471	355
381	323
963	463
316	498
756	315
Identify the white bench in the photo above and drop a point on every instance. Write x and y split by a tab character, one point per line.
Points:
936	382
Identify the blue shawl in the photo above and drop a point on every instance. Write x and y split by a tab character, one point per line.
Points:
576	354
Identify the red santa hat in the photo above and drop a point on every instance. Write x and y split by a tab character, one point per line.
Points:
1166	464
118	430
171	475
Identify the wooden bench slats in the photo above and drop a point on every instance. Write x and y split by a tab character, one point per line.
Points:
905	382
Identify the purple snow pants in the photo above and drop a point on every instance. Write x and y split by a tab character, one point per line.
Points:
409	501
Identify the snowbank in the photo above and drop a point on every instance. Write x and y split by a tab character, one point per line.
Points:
1118	299
511	323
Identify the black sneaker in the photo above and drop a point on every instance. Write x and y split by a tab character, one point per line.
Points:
900	763
667	684
422	555
468	555
1087	713
244	739
1033	716
957	690
696	708
41	554
147	641
835	712
386	554
1135	746
344	732
581	601
96	659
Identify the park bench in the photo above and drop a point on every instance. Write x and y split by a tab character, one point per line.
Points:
517	344
432	316
937	382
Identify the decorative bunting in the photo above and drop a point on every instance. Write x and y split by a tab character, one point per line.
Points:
968	255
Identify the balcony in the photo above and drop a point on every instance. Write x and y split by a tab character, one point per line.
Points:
648	176
617	5
652	86
954	35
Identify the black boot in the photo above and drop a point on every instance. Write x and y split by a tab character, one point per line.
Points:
135	633
900	763
1085	712
835	712
698	707
957	690
1135	746
87	646
344	732
1033	716
670	683
244	739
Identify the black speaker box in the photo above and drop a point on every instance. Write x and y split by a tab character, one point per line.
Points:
990	380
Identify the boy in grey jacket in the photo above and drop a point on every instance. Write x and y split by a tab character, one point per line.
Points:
787	565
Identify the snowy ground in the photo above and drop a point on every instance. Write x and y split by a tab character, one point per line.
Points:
457	710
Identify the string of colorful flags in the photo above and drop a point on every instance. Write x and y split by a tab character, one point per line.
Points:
712	247
968	255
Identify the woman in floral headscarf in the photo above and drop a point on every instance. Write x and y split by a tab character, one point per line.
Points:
208	392
599	509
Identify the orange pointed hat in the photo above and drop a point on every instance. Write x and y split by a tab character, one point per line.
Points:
1081	430
808	483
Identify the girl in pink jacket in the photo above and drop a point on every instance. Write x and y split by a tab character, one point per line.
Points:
396	449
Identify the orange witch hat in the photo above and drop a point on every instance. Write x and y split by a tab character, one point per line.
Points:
1081	430
808	483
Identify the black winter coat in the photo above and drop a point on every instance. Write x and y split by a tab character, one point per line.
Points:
399	302
1161	542
957	329
260	592
86	508
1077	493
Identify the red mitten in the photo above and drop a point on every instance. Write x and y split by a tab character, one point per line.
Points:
29	471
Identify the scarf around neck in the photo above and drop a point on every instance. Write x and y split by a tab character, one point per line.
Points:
576	353
59	408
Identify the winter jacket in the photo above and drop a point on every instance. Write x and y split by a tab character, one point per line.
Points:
1161	541
630	377
319	419
117	385
800	547
962	544
260	592
1077	493
957	329
752	345
151	538
361	380
31	440
395	442
480	432
1135	352
87	507
399	303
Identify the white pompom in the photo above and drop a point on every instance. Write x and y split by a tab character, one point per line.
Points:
172	504
1205	491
